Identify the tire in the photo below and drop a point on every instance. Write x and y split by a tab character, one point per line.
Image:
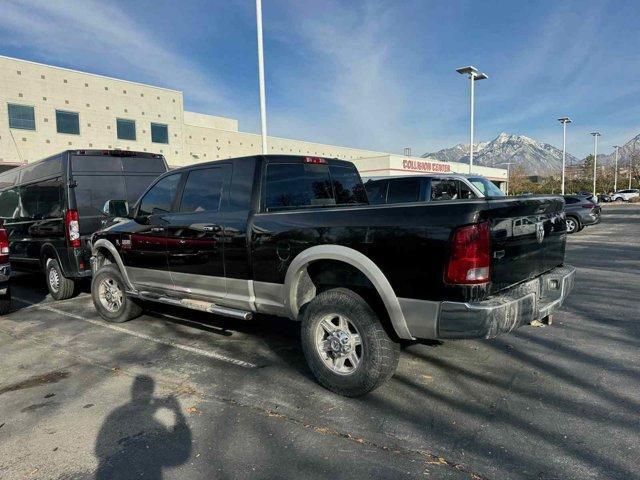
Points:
619	199
59	286
573	225
376	355
5	302
109	298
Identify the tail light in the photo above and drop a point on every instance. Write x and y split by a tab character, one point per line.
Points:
71	220
4	246
470	255
588	205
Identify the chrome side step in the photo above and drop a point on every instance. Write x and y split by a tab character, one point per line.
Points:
200	305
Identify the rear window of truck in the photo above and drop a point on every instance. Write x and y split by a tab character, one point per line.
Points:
296	185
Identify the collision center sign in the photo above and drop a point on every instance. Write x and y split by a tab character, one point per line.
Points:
420	166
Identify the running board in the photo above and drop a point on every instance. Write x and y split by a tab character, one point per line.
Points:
196	305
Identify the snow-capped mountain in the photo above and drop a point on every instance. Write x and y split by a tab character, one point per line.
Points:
535	157
629	149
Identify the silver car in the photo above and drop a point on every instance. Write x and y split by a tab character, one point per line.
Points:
625	195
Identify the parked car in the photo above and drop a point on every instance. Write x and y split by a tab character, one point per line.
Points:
51	207
5	273
580	212
432	188
604	198
295	237
589	196
625	195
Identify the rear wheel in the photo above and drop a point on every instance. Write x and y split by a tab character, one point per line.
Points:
346	346
572	225
59	286
109	298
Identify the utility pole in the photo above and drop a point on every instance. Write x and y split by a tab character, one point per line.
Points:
263	103
474	76
615	173
564	121
595	158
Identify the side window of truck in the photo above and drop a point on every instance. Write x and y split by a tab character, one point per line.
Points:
377	192
204	189
160	198
444	189
290	185
403	190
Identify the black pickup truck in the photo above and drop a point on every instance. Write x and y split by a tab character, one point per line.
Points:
295	237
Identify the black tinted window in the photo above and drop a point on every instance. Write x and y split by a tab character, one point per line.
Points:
136	185
159	133
22	117
67	122
446	189
126	129
298	185
465	191
160	198
92	192
570	200
203	189
144	164
347	186
377	191
9	203
40	200
403	190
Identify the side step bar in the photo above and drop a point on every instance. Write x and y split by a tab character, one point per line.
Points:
195	305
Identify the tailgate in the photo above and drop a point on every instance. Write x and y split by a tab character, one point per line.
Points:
528	237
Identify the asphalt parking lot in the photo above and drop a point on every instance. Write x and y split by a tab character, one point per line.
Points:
179	394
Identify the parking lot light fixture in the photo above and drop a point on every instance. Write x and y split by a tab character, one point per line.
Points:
595	157
615	172
263	103
564	121
474	76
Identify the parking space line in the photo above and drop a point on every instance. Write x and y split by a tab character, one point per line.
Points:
179	346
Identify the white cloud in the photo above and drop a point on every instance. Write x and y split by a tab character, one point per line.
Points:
99	36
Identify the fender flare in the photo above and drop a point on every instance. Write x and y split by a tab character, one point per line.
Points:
50	251
103	243
356	259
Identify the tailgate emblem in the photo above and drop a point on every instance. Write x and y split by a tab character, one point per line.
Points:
539	232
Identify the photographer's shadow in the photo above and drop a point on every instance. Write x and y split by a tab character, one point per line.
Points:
139	439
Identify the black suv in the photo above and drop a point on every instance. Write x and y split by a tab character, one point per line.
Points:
52	207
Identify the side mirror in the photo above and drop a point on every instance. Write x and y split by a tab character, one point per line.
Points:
116	208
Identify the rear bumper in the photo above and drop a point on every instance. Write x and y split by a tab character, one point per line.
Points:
520	305
5	275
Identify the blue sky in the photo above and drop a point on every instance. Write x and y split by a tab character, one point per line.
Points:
369	74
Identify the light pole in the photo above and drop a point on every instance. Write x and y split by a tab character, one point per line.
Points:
615	172
595	158
630	170
564	121
474	76
263	104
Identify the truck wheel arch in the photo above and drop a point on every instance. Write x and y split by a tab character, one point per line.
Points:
106	245
297	293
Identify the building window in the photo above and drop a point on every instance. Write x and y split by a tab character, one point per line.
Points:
126	129
22	117
67	122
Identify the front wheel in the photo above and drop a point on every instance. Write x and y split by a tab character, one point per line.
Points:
345	345
572	225
109	298
619	200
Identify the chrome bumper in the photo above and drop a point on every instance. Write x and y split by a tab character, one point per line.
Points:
520	305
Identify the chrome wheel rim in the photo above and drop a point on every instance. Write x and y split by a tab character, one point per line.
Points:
339	344
110	295
571	225
54	279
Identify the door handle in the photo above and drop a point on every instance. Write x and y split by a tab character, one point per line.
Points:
212	228
157	229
